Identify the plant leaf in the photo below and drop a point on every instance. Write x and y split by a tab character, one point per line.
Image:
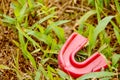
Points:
60	33
4	67
117	34
101	26
42	37
54	24
46	18
22	2
63	75
96	75
8	19
83	19
25	51
115	59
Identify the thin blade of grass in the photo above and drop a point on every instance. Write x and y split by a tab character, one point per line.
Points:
42	37
28	37
117	5
97	10
117	31
4	67
8	19
54	24
38	74
46	18
41	68
31	3
25	51
63	75
117	35
22	2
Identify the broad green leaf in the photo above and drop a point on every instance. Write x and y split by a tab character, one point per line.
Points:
115	59
4	67
96	75
101	26
84	18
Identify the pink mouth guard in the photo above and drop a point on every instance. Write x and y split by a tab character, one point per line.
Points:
67	62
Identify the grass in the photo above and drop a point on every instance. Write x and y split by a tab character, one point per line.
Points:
46	36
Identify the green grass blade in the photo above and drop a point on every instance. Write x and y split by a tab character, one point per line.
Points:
63	75
38	74
28	37
117	5
97	10
22	2
115	59
4	67
60	33
44	73
83	19
42	37
46	18
97	75
54	24
91	2
23	10
25	51
8	19
117	31
117	17
31	3
22	13
101	26
117	35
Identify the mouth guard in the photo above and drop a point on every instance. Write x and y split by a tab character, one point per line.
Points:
67	62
